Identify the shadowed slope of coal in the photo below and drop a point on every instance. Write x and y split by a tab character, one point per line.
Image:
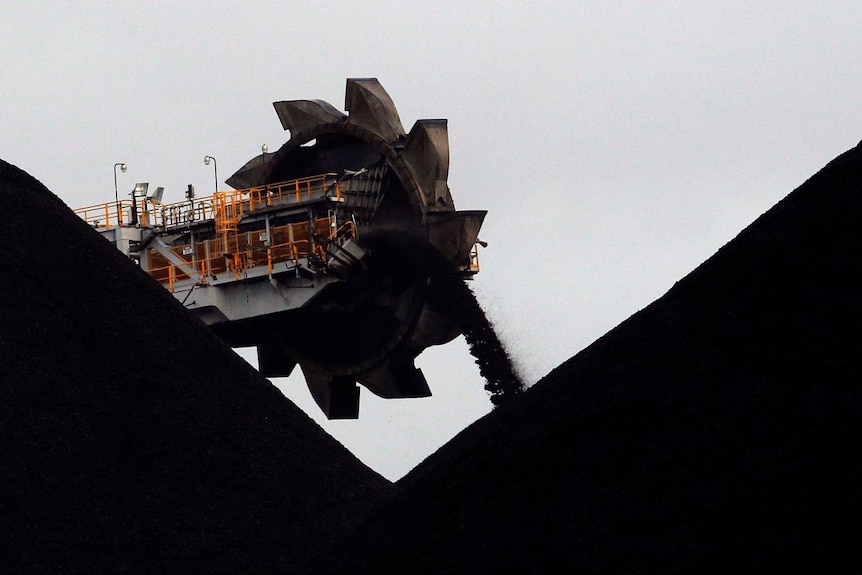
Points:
718	428
131	439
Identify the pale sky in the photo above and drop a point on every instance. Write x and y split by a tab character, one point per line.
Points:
615	145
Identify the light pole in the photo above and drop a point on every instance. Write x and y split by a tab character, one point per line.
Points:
263	149
207	160
122	167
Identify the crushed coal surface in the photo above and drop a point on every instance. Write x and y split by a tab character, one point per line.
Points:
132	440
718	429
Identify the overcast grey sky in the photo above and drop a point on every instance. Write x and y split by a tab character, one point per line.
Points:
616	145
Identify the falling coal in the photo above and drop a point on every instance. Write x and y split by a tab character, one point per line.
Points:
493	360
448	293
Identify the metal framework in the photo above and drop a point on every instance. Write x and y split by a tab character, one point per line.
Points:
333	271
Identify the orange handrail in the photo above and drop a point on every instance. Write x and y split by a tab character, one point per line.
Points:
111	214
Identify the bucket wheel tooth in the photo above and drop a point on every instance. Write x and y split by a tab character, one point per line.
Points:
371	107
299	115
337	396
426	155
396	377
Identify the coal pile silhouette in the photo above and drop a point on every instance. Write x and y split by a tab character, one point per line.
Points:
131	439
717	429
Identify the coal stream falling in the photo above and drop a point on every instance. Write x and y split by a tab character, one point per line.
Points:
494	362
448	292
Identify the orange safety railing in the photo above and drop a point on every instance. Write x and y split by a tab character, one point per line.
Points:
107	215
283	193
290	243
240	203
122	213
474	258
226	212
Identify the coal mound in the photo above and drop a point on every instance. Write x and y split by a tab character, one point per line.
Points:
718	429
132	440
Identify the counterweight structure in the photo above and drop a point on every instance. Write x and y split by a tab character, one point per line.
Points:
327	253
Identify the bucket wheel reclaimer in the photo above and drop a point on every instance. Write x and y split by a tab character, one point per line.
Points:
382	302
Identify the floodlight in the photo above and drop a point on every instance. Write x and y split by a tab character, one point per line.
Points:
215	168
140	190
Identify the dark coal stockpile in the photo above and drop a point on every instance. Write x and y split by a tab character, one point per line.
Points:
718	429
131	439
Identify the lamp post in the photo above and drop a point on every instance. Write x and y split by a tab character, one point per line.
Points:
122	167
207	160
263	149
